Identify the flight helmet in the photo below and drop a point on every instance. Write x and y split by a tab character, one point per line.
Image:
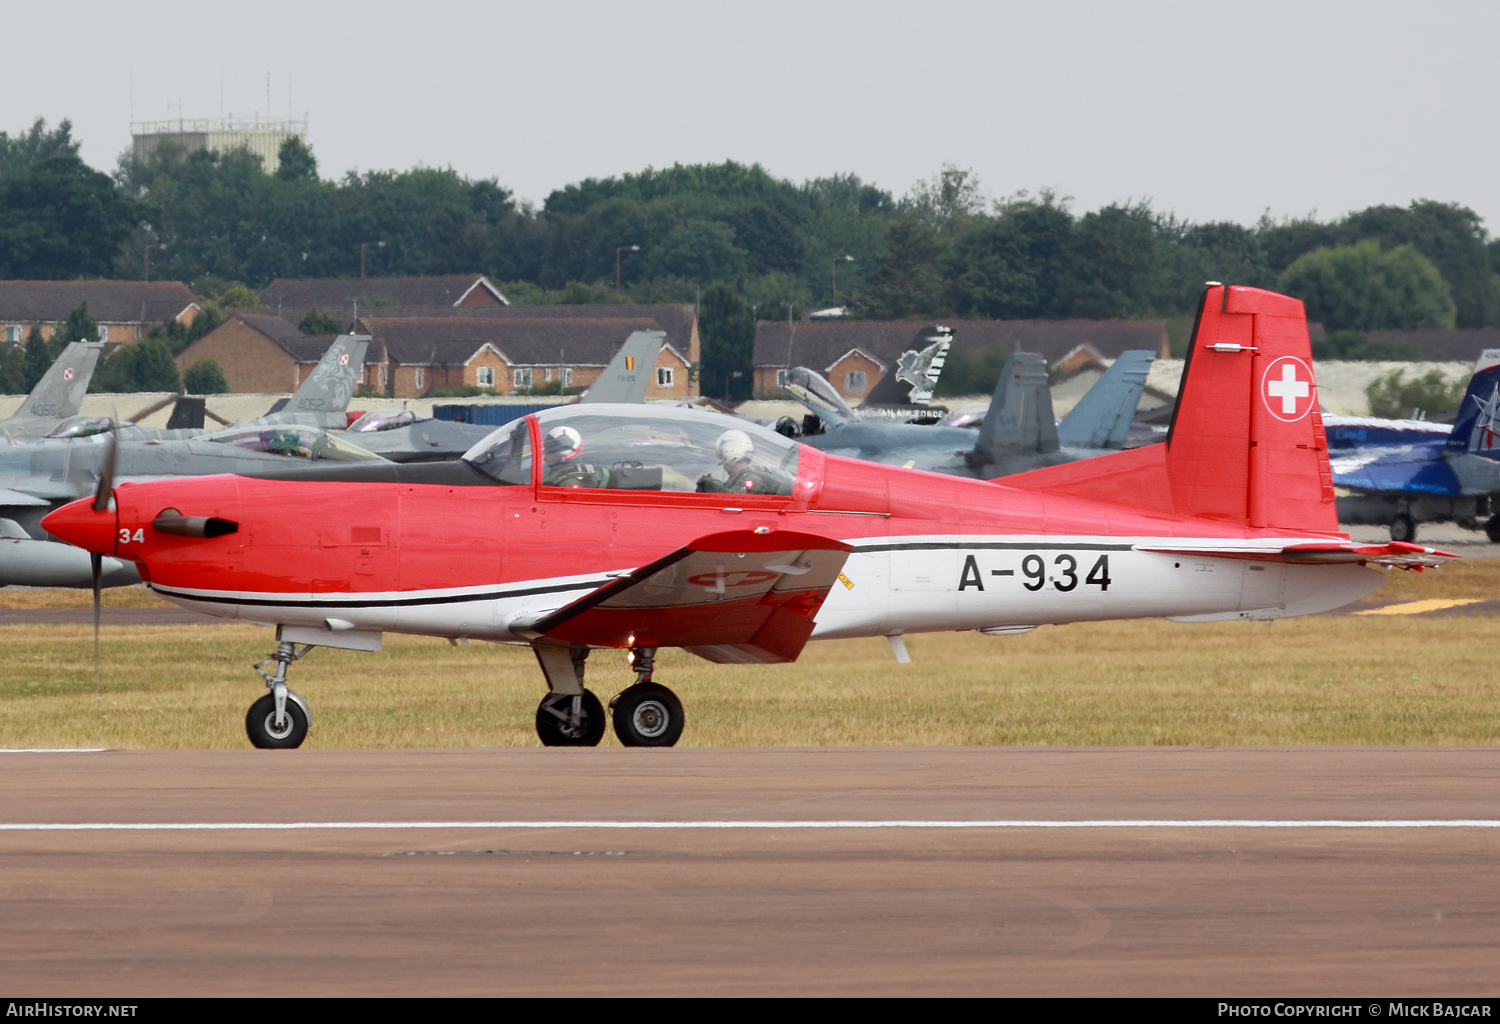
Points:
562	444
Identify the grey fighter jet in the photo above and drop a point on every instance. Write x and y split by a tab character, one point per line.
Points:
321	401
57	396
1018	433
36	478
406	436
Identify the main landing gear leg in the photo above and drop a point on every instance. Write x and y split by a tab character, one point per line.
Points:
646	714
279	720
569	716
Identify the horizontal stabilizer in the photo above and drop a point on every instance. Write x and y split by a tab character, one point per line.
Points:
734	596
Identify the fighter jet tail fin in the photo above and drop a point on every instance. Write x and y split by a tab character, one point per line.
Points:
332	382
59	393
1020	419
630	372
1476	428
916	373
1246	445
1102	416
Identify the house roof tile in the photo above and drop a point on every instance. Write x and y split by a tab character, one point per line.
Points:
110	302
333	294
437	341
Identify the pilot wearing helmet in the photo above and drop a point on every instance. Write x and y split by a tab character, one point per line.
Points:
735	451
560	466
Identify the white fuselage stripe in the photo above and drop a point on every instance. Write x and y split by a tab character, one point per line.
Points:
837	823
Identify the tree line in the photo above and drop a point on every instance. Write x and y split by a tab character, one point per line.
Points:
944	249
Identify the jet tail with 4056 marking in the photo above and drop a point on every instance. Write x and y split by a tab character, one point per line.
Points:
641	527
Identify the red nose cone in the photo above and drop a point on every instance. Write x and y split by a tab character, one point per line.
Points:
78	524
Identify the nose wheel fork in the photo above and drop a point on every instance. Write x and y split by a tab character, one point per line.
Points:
279	720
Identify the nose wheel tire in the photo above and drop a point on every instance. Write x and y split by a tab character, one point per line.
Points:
1404	528
1492	529
260	724
648	715
560	724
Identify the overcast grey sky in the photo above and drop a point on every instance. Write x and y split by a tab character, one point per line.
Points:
1212	111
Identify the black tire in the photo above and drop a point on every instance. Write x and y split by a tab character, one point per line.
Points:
1404	528
648	715
1492	529
553	729
260	725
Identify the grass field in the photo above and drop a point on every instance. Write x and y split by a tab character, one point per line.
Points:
1341	680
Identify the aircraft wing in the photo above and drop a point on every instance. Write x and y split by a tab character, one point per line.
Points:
630	372
1396	554
738	596
1421	468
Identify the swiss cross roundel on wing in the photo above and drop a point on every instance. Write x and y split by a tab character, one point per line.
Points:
1287	389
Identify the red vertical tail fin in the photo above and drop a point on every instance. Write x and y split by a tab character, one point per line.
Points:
1246	444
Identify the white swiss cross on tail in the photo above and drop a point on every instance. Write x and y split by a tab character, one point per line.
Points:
68	373
1287	388
344	359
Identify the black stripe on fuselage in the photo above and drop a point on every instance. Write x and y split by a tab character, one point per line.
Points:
445	474
860	549
407	602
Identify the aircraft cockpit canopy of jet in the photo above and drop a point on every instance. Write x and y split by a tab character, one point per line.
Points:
293	442
82	426
371	422
644	448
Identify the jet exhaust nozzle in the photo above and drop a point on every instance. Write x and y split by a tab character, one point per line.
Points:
193	526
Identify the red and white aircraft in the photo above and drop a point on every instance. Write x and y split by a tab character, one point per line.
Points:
644	527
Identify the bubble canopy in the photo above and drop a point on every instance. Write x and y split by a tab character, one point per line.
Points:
642	447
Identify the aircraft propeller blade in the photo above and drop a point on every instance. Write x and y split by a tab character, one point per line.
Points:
96	563
107	470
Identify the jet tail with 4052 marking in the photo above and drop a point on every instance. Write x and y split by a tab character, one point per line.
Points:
740	545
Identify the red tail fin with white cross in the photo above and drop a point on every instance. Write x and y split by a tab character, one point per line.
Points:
1247	444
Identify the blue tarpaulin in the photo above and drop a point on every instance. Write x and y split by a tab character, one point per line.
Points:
491	415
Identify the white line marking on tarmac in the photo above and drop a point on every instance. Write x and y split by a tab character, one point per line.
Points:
292	826
54	750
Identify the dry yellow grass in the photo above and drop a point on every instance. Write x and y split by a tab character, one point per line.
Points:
1355	680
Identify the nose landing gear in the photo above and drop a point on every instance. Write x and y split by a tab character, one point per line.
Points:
279	720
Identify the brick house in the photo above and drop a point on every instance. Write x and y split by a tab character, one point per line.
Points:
125	310
417	354
347	296
262	354
855	354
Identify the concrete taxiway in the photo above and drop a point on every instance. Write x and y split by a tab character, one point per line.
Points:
1199	872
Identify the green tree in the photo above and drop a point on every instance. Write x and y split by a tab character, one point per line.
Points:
1357	346
146	365
59	218
315	321
296	162
38	357
80	326
205	378
1115	266
728	334
1449	235
908	279
1363	287
702	251
1395	397
1011	266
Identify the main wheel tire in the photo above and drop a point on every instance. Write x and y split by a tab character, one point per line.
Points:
1492	529
260	724
553	728
648	715
1404	528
